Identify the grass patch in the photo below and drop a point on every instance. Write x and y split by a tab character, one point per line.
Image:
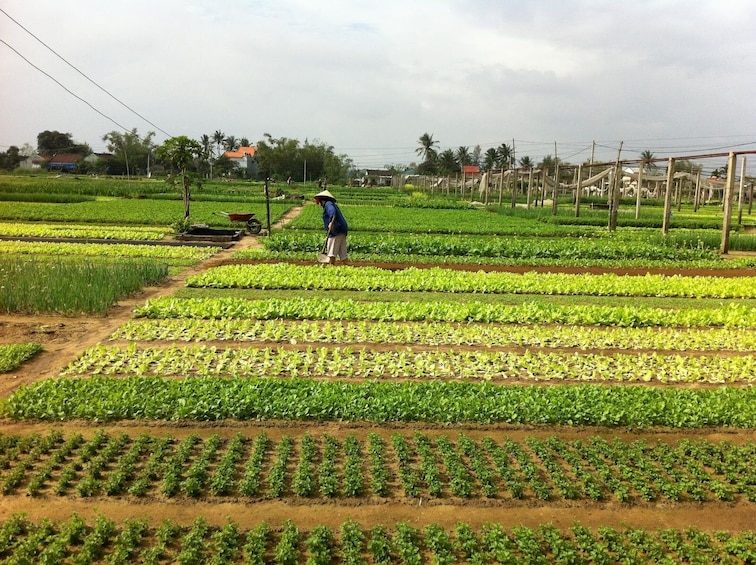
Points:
35	286
13	354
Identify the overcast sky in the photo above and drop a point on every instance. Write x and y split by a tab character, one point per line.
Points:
370	77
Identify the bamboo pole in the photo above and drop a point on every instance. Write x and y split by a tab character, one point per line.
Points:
697	195
555	192
741	188
531	176
614	194
578	187
668	196
638	192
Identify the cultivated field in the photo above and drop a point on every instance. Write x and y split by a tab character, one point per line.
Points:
476	386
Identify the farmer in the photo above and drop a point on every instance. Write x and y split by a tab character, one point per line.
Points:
335	225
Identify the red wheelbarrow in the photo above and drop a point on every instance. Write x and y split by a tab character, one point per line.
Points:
254	226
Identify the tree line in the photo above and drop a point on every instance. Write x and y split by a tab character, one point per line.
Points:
131	153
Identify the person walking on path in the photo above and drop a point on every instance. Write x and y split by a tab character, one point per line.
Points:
335	225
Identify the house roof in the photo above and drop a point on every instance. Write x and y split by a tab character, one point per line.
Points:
63	158
241	152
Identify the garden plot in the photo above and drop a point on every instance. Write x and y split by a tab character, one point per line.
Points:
317	425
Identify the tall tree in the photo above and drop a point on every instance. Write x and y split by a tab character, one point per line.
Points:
526	162
647	161
475	156
218	138
505	155
180	152
427	149
57	142
230	143
130	149
447	162
10	159
490	159
463	156
207	154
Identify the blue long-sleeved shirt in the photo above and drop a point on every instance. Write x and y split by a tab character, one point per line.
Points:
332	212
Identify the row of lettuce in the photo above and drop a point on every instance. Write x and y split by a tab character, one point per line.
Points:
416	364
252	398
436	279
135	541
375	467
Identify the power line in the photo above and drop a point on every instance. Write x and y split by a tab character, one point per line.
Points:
124	128
82	74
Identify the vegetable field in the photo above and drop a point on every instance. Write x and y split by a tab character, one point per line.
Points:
257	407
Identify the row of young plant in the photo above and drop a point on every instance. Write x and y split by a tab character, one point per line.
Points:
414	218
437	279
732	315
446	402
13	354
137	211
436	334
177	254
409	363
82	231
65	286
596	249
135	541
402	465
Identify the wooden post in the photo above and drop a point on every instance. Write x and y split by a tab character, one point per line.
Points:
668	196
741	188
614	194
727	204
555	192
530	187
697	194
513	183
638	190
678	194
578	187
501	186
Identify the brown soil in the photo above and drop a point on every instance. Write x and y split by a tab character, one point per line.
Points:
64	338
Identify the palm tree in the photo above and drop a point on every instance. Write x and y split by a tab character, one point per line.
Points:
463	156
526	162
490	159
230	143
427	149
505	155
218	138
647	161
447	162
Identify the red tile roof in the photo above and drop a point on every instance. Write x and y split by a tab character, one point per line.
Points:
241	152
